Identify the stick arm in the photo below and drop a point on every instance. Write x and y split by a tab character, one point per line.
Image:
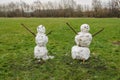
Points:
71	28
28	29
97	32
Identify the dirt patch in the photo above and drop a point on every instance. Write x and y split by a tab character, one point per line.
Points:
116	43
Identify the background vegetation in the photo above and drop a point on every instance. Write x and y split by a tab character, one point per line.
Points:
64	8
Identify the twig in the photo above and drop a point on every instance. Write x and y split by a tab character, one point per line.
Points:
49	33
76	32
71	28
97	32
28	30
32	32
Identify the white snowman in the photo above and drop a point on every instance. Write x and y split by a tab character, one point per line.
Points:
83	40
40	50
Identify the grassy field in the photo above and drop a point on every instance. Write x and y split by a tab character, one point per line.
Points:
17	46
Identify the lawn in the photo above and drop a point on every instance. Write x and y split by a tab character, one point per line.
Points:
17	46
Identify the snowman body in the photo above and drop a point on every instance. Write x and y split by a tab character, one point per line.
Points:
82	40
41	39
40	50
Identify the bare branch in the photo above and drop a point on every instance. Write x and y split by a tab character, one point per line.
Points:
33	32
71	28
49	33
77	33
28	30
98	32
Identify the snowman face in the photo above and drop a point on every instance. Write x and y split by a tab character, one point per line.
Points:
85	28
41	29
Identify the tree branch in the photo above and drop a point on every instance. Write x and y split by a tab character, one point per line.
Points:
28	30
33	32
97	32
71	28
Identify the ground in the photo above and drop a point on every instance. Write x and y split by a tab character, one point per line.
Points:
17	46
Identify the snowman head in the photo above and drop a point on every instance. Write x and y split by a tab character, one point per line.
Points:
41	29
84	28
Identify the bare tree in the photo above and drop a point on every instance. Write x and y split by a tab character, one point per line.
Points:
114	8
79	11
65	8
37	7
97	7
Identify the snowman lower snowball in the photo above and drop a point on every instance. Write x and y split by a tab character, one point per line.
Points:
40	50
82	39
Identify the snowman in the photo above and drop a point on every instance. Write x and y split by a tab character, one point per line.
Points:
40	50
82	39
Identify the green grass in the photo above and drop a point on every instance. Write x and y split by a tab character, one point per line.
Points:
17	46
